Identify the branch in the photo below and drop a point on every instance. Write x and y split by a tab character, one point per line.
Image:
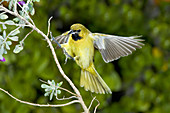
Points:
27	35
39	105
53	53
49	26
91	103
12	32
96	106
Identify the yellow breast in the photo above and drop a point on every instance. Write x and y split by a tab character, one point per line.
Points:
84	50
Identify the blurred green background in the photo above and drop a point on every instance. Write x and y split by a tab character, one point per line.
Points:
140	82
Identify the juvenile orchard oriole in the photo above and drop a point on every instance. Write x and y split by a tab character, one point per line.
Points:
78	43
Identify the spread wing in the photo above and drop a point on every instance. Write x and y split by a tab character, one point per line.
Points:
62	39
113	47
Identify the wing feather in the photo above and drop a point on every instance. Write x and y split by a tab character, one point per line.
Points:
113	47
62	39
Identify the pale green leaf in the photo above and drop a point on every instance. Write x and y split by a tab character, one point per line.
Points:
58	91
2	49
7	46
5	52
32	11
9	42
51	95
47	89
44	86
16	19
59	84
15	32
1	37
18	48
4	26
36	0
9	22
14	38
1	57
4	33
3	16
46	94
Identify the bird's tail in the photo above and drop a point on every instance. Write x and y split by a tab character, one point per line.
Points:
92	81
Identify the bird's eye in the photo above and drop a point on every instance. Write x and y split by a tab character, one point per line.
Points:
78	30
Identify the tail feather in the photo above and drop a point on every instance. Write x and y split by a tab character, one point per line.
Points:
93	82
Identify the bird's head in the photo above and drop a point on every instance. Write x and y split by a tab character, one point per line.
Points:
78	31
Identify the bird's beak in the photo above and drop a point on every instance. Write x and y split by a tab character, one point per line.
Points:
70	32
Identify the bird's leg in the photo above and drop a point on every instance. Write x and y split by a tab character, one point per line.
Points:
76	58
53	39
65	52
67	56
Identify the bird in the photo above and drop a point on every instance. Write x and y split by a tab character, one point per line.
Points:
79	44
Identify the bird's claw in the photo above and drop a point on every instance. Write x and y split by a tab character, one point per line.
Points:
67	56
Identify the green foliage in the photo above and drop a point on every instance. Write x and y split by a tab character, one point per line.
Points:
51	89
140	82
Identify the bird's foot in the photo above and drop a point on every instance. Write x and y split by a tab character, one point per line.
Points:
76	58
67	56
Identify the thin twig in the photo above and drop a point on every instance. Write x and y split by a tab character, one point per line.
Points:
65	98
91	103
11	33
27	35
94	98
49	26
39	105
96	106
2	13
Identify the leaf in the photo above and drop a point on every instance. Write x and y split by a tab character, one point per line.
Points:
4	26
53	82
32	11
1	37
10	4
59	84
9	22
50	82
58	91
44	86
5	52
47	89
4	33
3	16
36	0
15	32
1	57
14	38
51	95
2	49
7	46
9	42
18	48
46	94
16	19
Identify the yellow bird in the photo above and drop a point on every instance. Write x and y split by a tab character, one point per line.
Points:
79	43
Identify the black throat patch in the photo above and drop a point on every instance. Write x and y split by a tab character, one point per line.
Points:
76	37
